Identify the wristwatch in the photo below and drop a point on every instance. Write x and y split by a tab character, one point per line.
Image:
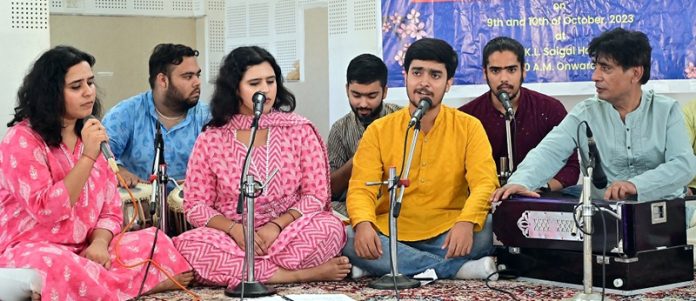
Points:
545	188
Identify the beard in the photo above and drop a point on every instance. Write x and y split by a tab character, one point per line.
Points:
511	88
367	120
176	101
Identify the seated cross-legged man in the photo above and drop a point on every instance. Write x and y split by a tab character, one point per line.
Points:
444	223
366	86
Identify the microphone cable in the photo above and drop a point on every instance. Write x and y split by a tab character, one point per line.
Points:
150	260
488	285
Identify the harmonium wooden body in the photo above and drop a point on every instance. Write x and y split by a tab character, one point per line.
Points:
644	243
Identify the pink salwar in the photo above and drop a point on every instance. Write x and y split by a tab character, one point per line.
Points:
296	150
39	229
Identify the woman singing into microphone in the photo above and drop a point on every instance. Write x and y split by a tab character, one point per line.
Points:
59	206
296	236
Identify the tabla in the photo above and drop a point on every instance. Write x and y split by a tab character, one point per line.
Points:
175	200
141	192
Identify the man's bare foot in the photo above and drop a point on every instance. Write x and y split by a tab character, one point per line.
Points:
335	269
183	279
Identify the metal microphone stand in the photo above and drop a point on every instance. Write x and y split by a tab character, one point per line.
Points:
507	165
395	279
587	212
158	199
248	192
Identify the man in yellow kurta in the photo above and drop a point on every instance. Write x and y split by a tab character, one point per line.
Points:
444	222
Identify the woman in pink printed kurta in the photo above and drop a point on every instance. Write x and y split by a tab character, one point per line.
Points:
297	237
59	206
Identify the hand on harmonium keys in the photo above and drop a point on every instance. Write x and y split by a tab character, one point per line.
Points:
503	193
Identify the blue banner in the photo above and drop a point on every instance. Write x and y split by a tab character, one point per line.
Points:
555	34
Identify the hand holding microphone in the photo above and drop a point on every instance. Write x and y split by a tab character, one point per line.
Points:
423	107
93	134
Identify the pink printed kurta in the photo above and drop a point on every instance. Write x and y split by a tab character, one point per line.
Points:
40	230
296	150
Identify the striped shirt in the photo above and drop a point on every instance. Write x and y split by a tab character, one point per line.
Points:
346	133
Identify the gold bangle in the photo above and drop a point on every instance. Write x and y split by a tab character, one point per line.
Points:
278	225
88	157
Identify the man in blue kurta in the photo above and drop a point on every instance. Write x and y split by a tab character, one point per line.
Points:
641	136
173	103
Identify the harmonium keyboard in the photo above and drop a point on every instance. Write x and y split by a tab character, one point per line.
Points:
644	242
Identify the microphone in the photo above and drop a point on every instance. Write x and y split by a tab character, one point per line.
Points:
259	99
106	151
159	167
505	99
599	178
423	107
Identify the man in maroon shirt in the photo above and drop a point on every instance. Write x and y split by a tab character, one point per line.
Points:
535	114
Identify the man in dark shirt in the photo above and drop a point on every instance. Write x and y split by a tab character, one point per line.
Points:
535	114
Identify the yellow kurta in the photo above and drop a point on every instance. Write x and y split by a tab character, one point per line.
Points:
452	174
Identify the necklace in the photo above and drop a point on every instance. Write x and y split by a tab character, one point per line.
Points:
167	117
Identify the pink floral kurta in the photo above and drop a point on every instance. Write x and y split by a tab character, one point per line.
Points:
40	230
296	150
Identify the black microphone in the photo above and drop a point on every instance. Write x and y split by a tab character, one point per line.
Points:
106	151
159	143
423	107
505	99
259	99
599	179
159	167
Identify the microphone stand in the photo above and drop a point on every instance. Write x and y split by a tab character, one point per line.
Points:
159	184
506	163
587	212
248	192
395	280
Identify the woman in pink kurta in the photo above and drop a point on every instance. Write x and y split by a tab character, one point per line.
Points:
59	206
297	238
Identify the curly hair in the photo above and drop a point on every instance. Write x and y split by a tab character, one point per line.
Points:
225	102
40	98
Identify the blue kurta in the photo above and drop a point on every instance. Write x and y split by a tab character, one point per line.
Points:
131	128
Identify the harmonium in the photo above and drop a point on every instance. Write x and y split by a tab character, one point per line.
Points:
644	243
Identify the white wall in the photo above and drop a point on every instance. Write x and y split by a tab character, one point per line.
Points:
23	41
312	92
